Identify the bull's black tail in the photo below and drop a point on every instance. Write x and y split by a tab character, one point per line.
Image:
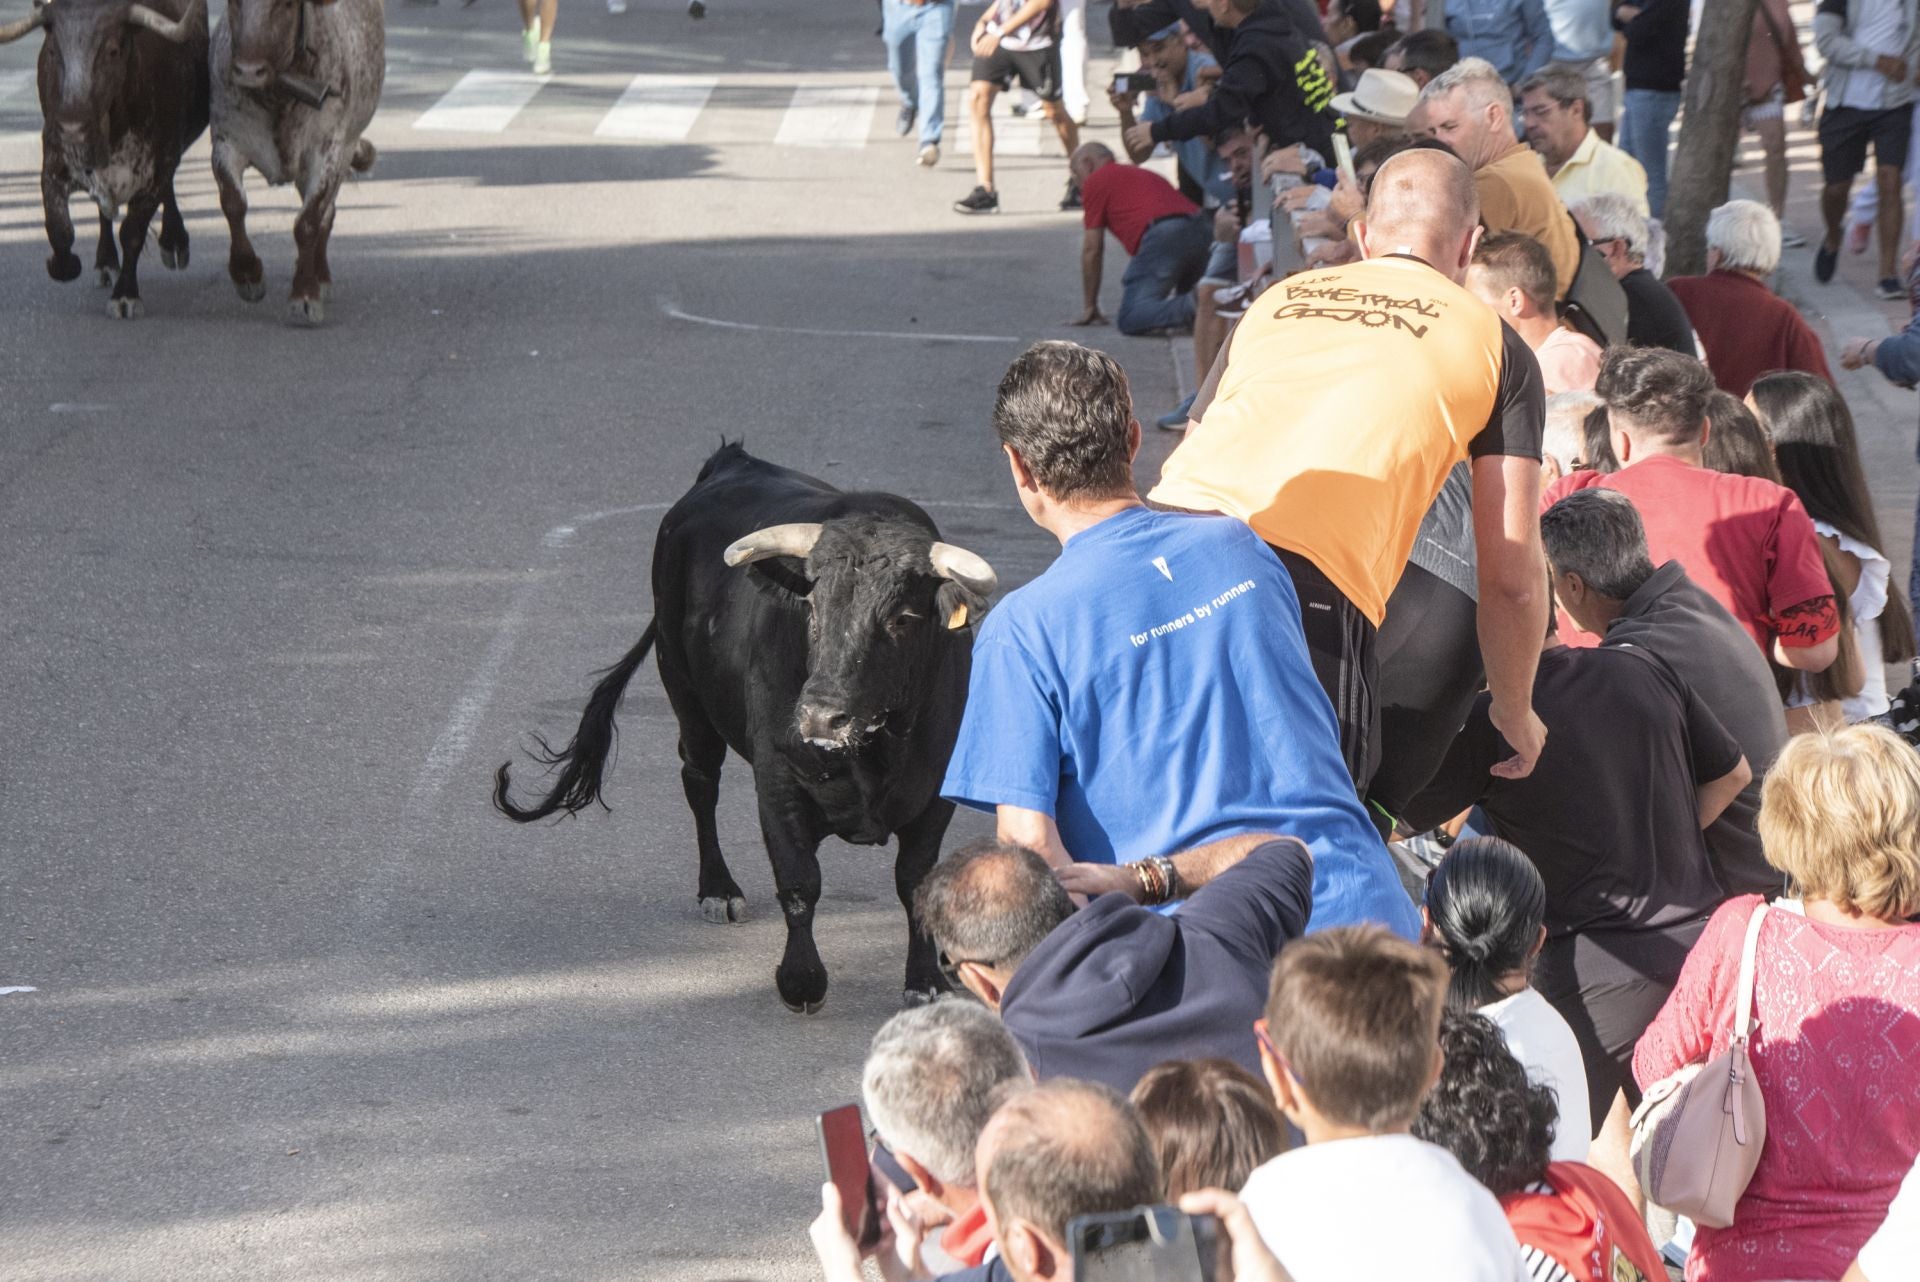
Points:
584	758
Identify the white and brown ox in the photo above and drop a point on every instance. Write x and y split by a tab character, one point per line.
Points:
123	92
295	83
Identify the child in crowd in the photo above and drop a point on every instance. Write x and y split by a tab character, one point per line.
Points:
1211	1121
1350	1045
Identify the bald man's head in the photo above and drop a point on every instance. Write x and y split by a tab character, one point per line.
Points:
1061	1149
1088	157
991	902
1423	203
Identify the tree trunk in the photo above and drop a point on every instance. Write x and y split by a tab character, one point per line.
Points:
1709	131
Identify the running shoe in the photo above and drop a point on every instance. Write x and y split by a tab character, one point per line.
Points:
929	155
1890	290
1858	235
696	10
616	6
1791	239
543	59
1177	420
979	201
903	123
1824	261
1072	199
530	41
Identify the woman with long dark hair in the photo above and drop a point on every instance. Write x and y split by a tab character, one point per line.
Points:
1486	911
1819	459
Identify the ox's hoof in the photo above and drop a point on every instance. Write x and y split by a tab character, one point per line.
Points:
803	994
124	308
721	911
913	997
306	311
104	276
325	291
174	258
251	291
63	267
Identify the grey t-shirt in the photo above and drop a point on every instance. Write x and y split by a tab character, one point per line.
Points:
1444	545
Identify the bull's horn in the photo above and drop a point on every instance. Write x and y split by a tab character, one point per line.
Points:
14	30
965	568
776	540
174	29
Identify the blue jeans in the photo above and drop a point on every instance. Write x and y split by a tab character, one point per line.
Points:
1643	135
1156	290
929	28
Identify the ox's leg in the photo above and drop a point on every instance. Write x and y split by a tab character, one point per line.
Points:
919	849
321	272
125	302
106	259
173	231
243	265
56	186
306	304
793	844
702	753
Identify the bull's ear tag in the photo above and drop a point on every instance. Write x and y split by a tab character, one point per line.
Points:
958	619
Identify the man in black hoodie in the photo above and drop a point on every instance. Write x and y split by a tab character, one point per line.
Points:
1109	991
1269	74
1133	21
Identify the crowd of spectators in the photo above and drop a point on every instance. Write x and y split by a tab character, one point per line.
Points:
1384	799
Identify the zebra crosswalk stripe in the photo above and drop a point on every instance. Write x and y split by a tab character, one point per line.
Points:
828	116
484	102
657	108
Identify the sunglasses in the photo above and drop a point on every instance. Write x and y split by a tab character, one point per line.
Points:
950	968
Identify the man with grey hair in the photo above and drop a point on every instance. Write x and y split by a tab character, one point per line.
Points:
1746	329
1620	233
1109	991
1557	115
1469	107
1563	442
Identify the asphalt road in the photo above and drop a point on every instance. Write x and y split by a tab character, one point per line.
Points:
273	604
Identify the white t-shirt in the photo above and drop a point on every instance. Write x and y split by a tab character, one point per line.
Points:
1036	33
1544	1044
1895	1245
1868	601
1381	1208
1882	28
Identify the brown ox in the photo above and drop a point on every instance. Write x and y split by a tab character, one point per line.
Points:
123	92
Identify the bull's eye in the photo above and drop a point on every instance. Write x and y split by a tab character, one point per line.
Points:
899	624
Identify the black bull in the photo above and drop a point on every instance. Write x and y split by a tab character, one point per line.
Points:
826	638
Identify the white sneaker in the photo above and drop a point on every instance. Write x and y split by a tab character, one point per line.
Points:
530	41
930	155
616	6
543	59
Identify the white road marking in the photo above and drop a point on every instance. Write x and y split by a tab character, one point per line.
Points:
657	108
670	310
1012	135
78	407
18	988
484	102
828	116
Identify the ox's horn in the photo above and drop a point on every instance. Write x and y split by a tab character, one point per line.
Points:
776	540
965	568
14	30
174	29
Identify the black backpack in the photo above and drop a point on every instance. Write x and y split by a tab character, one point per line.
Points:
1595	305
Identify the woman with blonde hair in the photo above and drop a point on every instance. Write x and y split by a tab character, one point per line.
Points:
1836	1049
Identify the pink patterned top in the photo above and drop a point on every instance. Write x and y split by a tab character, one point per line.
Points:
1837	1054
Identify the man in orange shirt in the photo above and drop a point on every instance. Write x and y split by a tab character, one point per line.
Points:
1346	397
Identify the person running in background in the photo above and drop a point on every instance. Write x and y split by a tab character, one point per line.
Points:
918	34
536	33
1871	47
1014	40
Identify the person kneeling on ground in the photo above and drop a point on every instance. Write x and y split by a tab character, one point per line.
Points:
1160	645
1574	1224
1350	1045
1164	233
1110	991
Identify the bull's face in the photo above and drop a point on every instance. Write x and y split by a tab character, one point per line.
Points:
882	599
266	39
89	49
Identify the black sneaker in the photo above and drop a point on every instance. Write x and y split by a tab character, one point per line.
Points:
1072	199
1890	290
980	201
903	123
1824	261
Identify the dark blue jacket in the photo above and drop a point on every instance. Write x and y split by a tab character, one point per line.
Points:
1118	988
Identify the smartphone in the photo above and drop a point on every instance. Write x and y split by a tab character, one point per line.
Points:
1130	82
888	1167
843	1148
1146	1244
1343	159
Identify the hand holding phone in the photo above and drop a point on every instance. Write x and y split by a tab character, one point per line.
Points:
1343	159
1146	1244
843	1150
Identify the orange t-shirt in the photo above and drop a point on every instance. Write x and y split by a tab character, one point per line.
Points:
1347	397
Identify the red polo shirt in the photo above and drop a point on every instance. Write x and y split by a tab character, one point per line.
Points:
1748	542
1747	329
1126	200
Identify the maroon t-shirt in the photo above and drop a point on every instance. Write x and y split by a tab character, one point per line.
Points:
1746	541
1747	329
1126	200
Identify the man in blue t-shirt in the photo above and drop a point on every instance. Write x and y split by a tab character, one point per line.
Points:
1151	691
1177	72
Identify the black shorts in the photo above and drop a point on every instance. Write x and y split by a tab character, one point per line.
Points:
1035	69
1341	641
1846	131
1430	674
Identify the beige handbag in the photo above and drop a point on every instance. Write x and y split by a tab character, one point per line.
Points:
1697	1134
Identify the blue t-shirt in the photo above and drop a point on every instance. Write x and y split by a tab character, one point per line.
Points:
1196	155
1152	692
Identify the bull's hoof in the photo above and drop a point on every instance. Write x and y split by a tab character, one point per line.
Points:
104	276
64	267
325	291
720	911
306	311
804	994
251	291
174	257
124	308
913	997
